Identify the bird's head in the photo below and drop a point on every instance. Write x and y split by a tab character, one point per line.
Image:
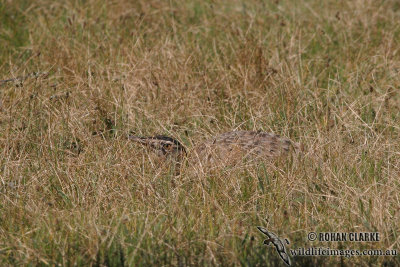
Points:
163	145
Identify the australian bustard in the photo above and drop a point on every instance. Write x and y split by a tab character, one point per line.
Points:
226	148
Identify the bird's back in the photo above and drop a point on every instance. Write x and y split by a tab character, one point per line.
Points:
236	145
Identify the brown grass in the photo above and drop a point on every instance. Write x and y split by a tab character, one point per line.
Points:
75	191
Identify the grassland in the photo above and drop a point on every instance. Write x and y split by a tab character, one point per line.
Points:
75	192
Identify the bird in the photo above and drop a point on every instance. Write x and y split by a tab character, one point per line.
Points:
167	148
234	146
227	148
161	144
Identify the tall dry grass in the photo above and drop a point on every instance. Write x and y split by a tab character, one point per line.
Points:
75	191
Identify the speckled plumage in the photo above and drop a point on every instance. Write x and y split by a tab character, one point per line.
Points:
233	146
227	148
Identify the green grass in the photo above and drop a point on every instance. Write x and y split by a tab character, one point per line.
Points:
75	191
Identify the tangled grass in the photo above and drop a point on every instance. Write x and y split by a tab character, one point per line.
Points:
75	191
